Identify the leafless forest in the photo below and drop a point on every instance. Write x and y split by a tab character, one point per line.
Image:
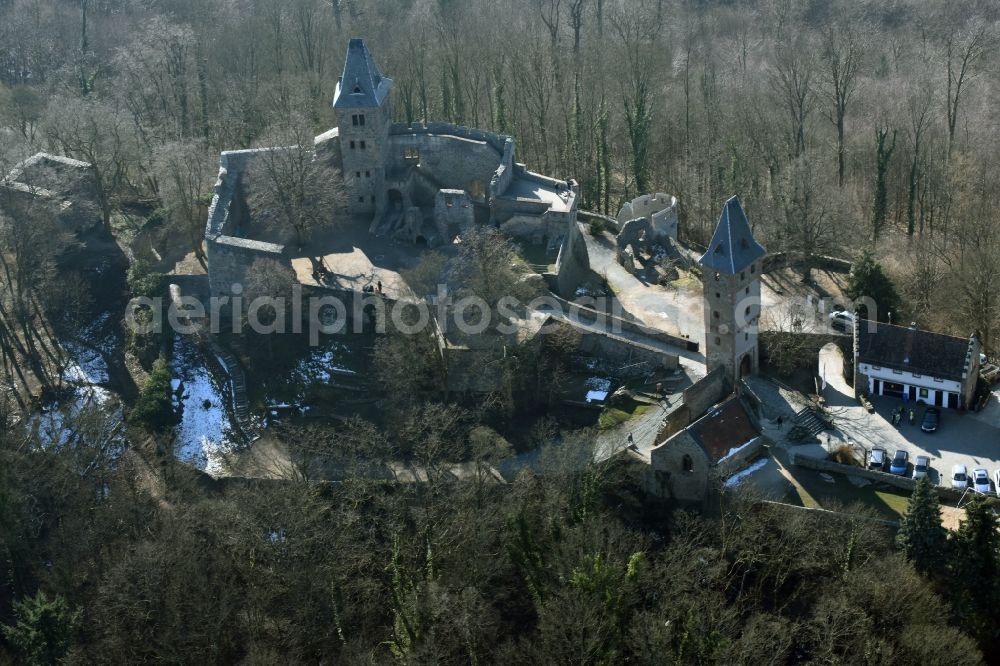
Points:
842	125
846	127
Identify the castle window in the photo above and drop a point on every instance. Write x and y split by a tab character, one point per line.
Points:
747	311
361	199
718	295
719	249
362	145
687	464
743	275
352	145
744	244
748	291
368	174
716	314
746	336
358	119
411	154
718	341
753	268
357	174
357	90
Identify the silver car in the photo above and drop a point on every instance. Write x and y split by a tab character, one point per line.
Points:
921	466
959	477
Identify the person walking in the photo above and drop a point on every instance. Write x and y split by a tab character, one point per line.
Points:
911	417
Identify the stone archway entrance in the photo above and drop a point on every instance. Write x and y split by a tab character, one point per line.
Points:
746	366
395	200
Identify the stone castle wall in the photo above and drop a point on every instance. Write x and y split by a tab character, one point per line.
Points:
451	162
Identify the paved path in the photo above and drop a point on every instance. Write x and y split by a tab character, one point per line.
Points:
644	429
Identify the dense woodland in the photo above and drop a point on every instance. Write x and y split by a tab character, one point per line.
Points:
842	125
852	129
107	559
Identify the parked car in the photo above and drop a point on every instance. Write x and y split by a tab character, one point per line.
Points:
876	460
980	480
959	477
842	319
932	416
898	464
920	467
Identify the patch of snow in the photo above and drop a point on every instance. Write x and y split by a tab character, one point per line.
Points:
597	395
598	384
204	434
88	366
737	479
733	451
320	366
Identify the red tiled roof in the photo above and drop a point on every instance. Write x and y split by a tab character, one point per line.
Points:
726	426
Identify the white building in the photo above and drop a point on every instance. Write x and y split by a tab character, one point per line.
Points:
911	364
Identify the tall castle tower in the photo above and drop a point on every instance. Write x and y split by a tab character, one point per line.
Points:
731	282
364	115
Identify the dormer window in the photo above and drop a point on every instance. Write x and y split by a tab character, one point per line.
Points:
357	89
744	244
719	249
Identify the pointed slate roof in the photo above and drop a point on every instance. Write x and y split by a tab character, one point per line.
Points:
362	84
733	247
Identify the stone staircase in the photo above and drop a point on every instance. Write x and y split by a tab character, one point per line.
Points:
807	419
241	403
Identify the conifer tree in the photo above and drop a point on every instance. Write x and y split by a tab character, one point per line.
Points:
921	536
975	569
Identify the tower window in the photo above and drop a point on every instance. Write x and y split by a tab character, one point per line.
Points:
357	174
748	291
357	90
753	268
411	154
362	145
368	174
358	119
747	311
718	295
352	145
715	314
687	464
746	336
718	341
743	275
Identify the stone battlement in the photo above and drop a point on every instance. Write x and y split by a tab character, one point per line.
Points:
498	141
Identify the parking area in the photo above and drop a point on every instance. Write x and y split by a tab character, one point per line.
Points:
970	439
